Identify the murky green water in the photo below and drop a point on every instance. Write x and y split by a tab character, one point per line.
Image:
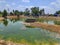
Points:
16	31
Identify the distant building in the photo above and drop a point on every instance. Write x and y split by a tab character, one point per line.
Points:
42	12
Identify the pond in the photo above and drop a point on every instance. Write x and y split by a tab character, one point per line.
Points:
51	22
16	31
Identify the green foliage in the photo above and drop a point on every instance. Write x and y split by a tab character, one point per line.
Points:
57	12
0	14
4	13
35	11
40	19
27	12
30	26
16	12
51	15
11	13
21	13
57	22
41	12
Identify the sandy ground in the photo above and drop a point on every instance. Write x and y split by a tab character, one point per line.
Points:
1	18
44	17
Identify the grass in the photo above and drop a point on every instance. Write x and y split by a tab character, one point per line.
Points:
40	19
30	26
57	22
54	28
0	15
24	42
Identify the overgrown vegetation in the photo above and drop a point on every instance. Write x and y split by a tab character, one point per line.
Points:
57	22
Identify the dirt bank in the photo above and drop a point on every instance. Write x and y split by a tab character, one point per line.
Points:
1	18
55	28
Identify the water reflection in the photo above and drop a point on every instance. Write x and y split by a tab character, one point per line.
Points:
14	20
5	22
51	22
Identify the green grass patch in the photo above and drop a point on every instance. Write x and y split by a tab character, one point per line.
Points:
0	15
30	26
57	22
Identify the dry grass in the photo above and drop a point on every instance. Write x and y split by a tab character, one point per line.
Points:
50	18
11	17
1	18
3	42
55	28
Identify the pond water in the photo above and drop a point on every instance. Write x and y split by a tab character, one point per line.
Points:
51	22
16	31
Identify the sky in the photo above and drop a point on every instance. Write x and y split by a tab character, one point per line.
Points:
50	6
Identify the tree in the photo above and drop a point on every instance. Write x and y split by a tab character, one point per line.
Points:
35	11
0	12
41	12
11	13
21	13
16	12
57	12
27	12
5	13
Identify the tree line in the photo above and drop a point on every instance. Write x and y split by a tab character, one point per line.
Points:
34	11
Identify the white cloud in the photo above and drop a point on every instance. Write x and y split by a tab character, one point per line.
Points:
2	1
48	9
22	7
56	3
25	0
7	5
53	3
13	3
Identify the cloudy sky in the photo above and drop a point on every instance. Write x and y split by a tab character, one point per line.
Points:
50	6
